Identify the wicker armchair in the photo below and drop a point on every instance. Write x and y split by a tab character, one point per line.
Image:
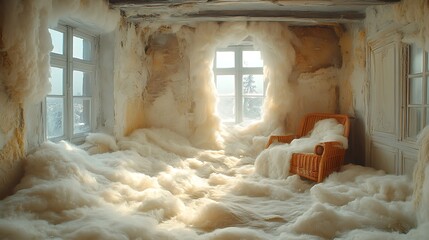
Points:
327	157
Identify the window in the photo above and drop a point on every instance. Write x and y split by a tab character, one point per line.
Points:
239	80
68	106
417	102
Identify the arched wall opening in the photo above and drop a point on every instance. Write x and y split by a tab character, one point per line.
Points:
180	93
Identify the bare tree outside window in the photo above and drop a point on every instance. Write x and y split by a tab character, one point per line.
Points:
249	84
251	105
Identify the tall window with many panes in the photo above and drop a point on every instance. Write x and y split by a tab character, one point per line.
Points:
68	106
239	80
417	111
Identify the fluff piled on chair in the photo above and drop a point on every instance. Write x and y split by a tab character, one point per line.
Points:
274	162
421	178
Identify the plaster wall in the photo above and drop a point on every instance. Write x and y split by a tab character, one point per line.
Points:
161	76
25	47
353	88
130	77
106	121
314	59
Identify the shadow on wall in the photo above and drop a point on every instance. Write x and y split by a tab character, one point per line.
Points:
421	178
356	152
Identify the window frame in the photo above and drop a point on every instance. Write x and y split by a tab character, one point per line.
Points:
238	71
69	64
424	105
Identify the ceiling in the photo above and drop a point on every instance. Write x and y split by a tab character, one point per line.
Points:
292	11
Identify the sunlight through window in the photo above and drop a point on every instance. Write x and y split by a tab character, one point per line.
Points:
239	83
69	103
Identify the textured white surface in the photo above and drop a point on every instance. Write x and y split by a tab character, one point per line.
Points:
158	186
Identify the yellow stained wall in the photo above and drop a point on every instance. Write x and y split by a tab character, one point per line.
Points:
11	157
25	46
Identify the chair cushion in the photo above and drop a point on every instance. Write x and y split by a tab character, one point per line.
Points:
328	130
274	162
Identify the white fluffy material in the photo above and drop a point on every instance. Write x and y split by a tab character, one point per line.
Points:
101	143
274	162
149	190
26	42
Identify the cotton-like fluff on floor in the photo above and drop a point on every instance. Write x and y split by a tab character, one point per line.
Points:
274	162
157	186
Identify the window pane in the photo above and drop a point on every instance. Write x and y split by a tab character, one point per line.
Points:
427	90
81	115
55	116
81	83
252	59
225	59
253	84
427	61
225	84
252	108
416	59
81	48
414	121
427	116
58	41
226	109
57	81
416	86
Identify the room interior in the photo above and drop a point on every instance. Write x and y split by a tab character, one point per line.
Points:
129	135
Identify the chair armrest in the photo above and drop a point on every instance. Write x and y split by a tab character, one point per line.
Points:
328	148
331	158
282	139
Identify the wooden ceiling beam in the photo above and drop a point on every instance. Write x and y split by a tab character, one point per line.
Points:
299	18
340	11
147	3
351	15
143	3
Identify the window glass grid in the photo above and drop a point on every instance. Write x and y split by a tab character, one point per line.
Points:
427	62
57	80
417	102
416	60
247	101
56	119
74	119
252	59
225	59
58	39
81	114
